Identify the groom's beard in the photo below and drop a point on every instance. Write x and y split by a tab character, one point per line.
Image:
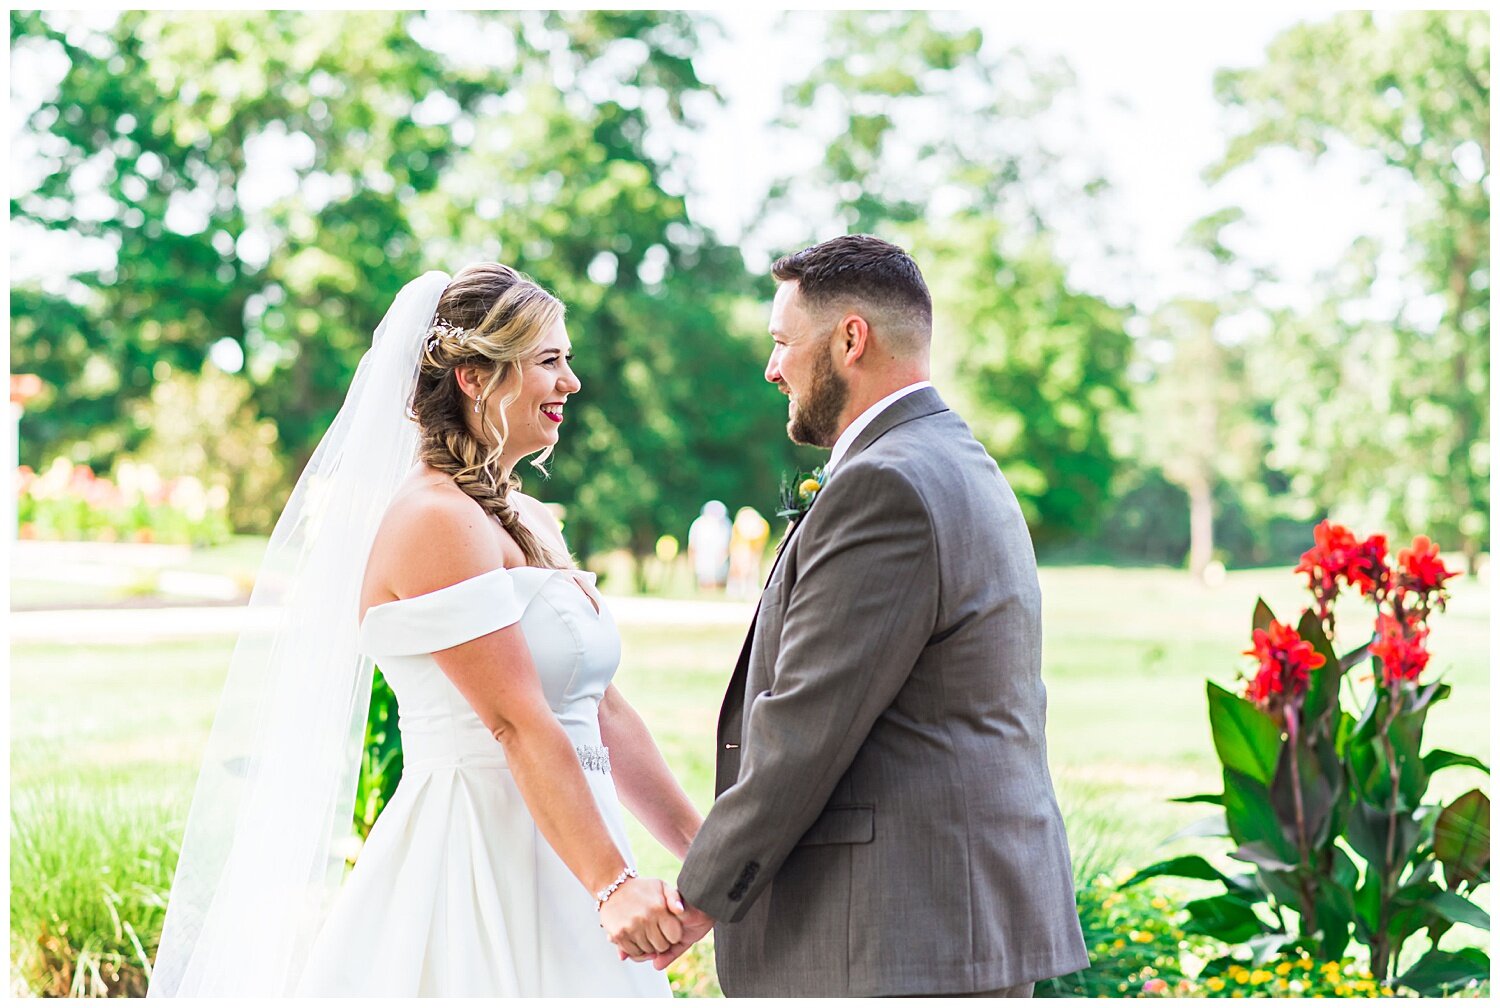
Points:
814	418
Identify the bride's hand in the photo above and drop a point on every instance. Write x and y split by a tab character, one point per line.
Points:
641	918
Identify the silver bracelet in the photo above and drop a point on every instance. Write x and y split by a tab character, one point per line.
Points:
604	894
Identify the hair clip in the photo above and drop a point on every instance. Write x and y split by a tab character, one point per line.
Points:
441	329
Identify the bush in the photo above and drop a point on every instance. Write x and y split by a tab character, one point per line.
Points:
207	424
1296	975
1135	939
89	875
1329	808
71	502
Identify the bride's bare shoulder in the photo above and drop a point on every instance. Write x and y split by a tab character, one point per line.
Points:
434	535
434	505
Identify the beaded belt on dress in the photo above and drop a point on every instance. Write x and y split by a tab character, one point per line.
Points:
431	743
593	757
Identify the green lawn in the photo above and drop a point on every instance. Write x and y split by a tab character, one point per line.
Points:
1126	655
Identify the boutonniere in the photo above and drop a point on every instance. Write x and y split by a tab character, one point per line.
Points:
798	493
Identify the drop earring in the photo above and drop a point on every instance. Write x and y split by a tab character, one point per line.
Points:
478	404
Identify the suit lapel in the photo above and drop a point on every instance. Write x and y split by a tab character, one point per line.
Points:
923	402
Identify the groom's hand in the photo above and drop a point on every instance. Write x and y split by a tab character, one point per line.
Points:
695	924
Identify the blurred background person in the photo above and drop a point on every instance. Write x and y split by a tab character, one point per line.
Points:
747	545
708	545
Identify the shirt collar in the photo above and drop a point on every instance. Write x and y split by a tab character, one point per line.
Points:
841	446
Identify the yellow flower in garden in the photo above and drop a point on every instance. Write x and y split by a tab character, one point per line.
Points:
1215	983
1387	992
1159	902
808	487
1260	976
1304	963
1282	969
1141	937
1239	974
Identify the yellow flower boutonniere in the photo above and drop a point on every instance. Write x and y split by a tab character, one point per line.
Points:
798	493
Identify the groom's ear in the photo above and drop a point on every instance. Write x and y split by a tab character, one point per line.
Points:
853	338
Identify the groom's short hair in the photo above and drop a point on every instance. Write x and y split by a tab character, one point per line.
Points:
864	272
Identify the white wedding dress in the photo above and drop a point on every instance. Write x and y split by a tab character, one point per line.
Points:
456	892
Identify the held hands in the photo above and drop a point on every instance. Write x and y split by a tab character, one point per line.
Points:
641	917
656	926
695	924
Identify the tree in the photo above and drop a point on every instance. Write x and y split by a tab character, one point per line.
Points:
153	139
1386	415
673	408
270	180
1193	414
935	143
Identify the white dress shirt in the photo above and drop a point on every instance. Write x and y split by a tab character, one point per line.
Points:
841	446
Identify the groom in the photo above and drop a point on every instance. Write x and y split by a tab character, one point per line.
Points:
885	821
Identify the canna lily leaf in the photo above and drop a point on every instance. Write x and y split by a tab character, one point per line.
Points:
1453	907
1438	971
1461	838
1261	619
1189	866
1245	737
1227	918
1439	759
1206	799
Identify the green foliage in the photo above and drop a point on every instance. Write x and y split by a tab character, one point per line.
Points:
1410	93
382	761
69	502
1309	788
1035	365
89	873
1295	974
1135	937
171	110
206	425
395	156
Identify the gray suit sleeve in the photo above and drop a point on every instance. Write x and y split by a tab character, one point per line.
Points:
861	610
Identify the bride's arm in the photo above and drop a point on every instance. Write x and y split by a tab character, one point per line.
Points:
647	786
451	542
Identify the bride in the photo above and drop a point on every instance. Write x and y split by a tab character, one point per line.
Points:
500	864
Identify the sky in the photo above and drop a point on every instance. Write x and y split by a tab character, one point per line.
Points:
1148	117
1145	95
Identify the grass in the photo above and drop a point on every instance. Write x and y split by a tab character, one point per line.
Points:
90	865
1126	654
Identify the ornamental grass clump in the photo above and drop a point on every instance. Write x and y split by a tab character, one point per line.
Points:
89	873
1327	806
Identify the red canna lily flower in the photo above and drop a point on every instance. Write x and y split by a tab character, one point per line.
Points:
1421	570
1367	569
1285	661
1332	546
1401	648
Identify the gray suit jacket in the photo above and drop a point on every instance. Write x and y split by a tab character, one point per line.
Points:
885	821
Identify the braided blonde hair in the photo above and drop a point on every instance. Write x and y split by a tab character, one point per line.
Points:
490	316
